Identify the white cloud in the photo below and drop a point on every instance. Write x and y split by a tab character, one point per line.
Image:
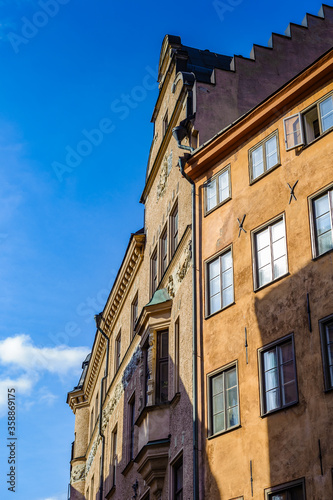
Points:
62	496
20	352
29	362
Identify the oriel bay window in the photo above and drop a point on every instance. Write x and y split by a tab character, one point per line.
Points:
223	401
217	189
303	128
278	375
264	156
270	252
321	213
162	367
220	283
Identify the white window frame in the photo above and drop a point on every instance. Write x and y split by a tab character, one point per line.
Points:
254	234
223	370
262	144
313	228
301	121
207	267
215	178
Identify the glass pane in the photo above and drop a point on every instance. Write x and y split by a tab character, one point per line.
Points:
265	275
321	205
232	398
325	242
227	278
278	496
279	249
232	417
280	267
271	379
289	393
214	268
272	400
164	345
330	354
323	224
215	303
326	113
270	360
179	477
271	152
224	186
287	372
257	162
214	286
262	239
217	384
286	352
264	257
226	261
231	378
228	296
218	422
164	382
329	333
211	194
278	230
292	131
218	404
331	376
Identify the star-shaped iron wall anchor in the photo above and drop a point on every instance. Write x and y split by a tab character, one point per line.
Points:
240	225
292	189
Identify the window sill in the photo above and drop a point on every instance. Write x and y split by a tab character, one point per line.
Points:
128	467
221	433
220	310
253	181
315	140
328	389
294	403
208	212
316	257
271	282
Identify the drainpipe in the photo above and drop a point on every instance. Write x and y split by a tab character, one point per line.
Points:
98	319
194	340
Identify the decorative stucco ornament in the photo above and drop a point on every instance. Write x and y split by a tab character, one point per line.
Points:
183	267
78	473
162	183
131	367
171	286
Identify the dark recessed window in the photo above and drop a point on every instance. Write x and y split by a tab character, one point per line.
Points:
162	367
164	250
326	333
118	351
289	491
278	382
303	128
131	426
178	480
134	313
174	228
153	272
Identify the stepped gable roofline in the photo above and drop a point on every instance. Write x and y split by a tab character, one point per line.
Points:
226	139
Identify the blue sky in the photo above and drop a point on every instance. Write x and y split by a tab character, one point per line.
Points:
72	168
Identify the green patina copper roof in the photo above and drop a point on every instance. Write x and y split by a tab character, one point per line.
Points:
159	297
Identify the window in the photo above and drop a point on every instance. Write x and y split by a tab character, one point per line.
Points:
264	156
220	282
223	406
162	367
92	488
326	334
174	229
176	366
178	480
96	408
147	372
165	124
118	351
92	422
278	375
131	427
290	491
303	128
270	251
164	251
114	455
321	213
217	189
153	272
134	313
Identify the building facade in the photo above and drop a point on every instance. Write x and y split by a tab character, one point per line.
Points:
265	238
137	429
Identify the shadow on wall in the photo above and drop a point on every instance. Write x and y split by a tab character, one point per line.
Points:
300	409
